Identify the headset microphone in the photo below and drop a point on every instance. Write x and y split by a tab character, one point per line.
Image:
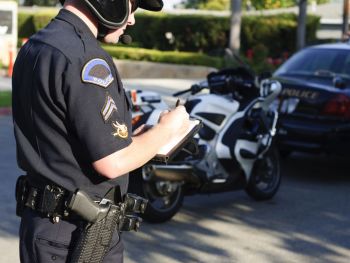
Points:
126	39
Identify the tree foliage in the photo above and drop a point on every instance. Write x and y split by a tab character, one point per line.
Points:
40	2
246	4
207	4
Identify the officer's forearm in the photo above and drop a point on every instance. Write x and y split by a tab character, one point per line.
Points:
143	148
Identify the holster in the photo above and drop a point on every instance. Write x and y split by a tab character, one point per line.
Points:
95	239
102	220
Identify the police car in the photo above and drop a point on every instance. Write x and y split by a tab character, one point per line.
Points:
314	104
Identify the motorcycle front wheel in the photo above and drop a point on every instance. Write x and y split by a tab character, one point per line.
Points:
164	198
265	179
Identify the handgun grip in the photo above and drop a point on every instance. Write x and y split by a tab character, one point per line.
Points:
82	205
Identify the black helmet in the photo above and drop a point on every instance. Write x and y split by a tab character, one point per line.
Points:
113	14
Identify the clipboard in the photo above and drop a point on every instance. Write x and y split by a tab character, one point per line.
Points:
169	151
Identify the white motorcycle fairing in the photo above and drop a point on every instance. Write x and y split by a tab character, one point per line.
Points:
226	107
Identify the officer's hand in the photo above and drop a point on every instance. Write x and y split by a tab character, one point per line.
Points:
176	121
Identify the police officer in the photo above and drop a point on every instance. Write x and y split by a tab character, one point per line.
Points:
72	123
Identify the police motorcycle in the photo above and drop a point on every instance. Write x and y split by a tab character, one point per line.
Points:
233	150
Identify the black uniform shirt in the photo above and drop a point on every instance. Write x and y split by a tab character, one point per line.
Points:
69	107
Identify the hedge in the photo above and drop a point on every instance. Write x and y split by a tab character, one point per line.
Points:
276	33
211	33
5	98
25	25
201	33
191	32
30	22
174	57
272	4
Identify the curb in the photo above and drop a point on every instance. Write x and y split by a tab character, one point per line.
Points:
129	69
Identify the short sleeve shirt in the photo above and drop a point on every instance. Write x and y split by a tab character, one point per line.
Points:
69	107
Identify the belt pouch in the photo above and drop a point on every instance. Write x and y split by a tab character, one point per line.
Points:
21	194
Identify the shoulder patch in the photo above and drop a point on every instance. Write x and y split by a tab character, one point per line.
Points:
97	71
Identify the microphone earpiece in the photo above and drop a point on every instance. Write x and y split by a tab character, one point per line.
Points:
126	39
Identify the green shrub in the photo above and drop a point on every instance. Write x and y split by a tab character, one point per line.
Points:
197	33
191	32
246	4
25	25
175	57
5	98
275	33
313	23
272	4
259	61
40	20
207	33
29	22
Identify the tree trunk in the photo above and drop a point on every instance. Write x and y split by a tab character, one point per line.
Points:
235	29
345	27
301	31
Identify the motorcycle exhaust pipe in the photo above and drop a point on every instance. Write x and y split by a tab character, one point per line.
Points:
172	173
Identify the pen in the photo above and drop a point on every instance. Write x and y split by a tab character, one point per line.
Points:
177	103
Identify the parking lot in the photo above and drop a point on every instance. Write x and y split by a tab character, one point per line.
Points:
307	221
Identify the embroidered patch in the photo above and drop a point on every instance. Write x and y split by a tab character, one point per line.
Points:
97	71
121	130
108	108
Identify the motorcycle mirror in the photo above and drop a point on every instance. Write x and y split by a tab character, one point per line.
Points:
195	88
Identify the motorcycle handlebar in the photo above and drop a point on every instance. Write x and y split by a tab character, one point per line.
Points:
195	88
181	92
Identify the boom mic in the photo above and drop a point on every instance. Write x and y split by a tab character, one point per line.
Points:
126	39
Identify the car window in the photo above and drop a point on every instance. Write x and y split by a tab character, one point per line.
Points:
317	61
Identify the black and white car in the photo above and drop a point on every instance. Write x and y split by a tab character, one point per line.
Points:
314	104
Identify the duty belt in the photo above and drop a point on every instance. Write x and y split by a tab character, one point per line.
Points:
101	218
55	202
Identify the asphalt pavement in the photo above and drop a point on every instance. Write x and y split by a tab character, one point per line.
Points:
8	175
307	221
9	171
